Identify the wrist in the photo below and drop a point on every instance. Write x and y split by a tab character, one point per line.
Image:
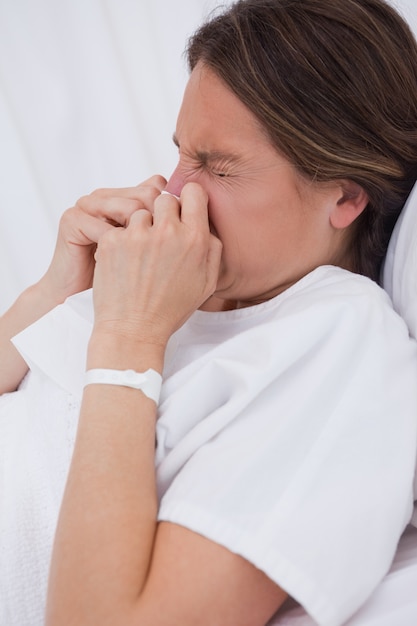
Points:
47	294
34	302
120	350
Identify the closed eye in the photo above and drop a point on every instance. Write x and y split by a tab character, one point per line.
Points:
220	174
219	166
216	162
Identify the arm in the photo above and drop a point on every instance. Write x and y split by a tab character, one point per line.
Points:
72	266
112	562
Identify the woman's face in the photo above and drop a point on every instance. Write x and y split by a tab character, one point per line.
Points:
273	224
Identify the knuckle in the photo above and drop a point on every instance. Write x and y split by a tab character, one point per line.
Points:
153	186
108	239
165	230
82	201
157	181
93	199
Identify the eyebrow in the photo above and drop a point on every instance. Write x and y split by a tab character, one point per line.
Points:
213	155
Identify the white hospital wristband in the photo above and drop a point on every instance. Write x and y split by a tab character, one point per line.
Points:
148	382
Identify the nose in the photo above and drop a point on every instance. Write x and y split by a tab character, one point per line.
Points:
176	182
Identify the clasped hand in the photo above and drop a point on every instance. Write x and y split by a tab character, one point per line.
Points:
151	259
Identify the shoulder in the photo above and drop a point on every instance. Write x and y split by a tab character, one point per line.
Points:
328	307
336	284
340	299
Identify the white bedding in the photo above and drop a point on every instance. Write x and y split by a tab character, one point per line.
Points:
400	269
394	603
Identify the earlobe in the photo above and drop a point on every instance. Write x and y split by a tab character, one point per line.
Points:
352	201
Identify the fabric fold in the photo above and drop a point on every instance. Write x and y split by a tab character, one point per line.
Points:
56	344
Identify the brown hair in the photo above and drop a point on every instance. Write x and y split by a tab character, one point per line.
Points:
334	84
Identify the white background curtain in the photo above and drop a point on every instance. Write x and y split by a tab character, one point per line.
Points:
89	92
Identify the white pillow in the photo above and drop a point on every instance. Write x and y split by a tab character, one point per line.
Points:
399	277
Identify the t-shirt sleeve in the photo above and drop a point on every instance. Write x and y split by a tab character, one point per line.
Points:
305	466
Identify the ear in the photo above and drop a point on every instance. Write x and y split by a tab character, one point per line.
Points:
352	201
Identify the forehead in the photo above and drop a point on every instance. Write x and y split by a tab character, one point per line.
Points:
212	116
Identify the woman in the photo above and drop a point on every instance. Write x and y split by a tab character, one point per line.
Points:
288	380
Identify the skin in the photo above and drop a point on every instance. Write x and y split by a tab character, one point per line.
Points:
259	206
245	228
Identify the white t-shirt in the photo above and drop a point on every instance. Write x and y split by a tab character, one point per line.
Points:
287	432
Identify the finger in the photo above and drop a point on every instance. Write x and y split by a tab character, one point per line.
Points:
213	260
143	217
117	205
156	183
166	206
115	210
80	228
194	206
146	191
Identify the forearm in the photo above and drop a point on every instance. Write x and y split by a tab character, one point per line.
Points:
29	307
105	536
149	278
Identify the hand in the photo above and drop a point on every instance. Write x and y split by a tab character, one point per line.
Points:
153	274
72	266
